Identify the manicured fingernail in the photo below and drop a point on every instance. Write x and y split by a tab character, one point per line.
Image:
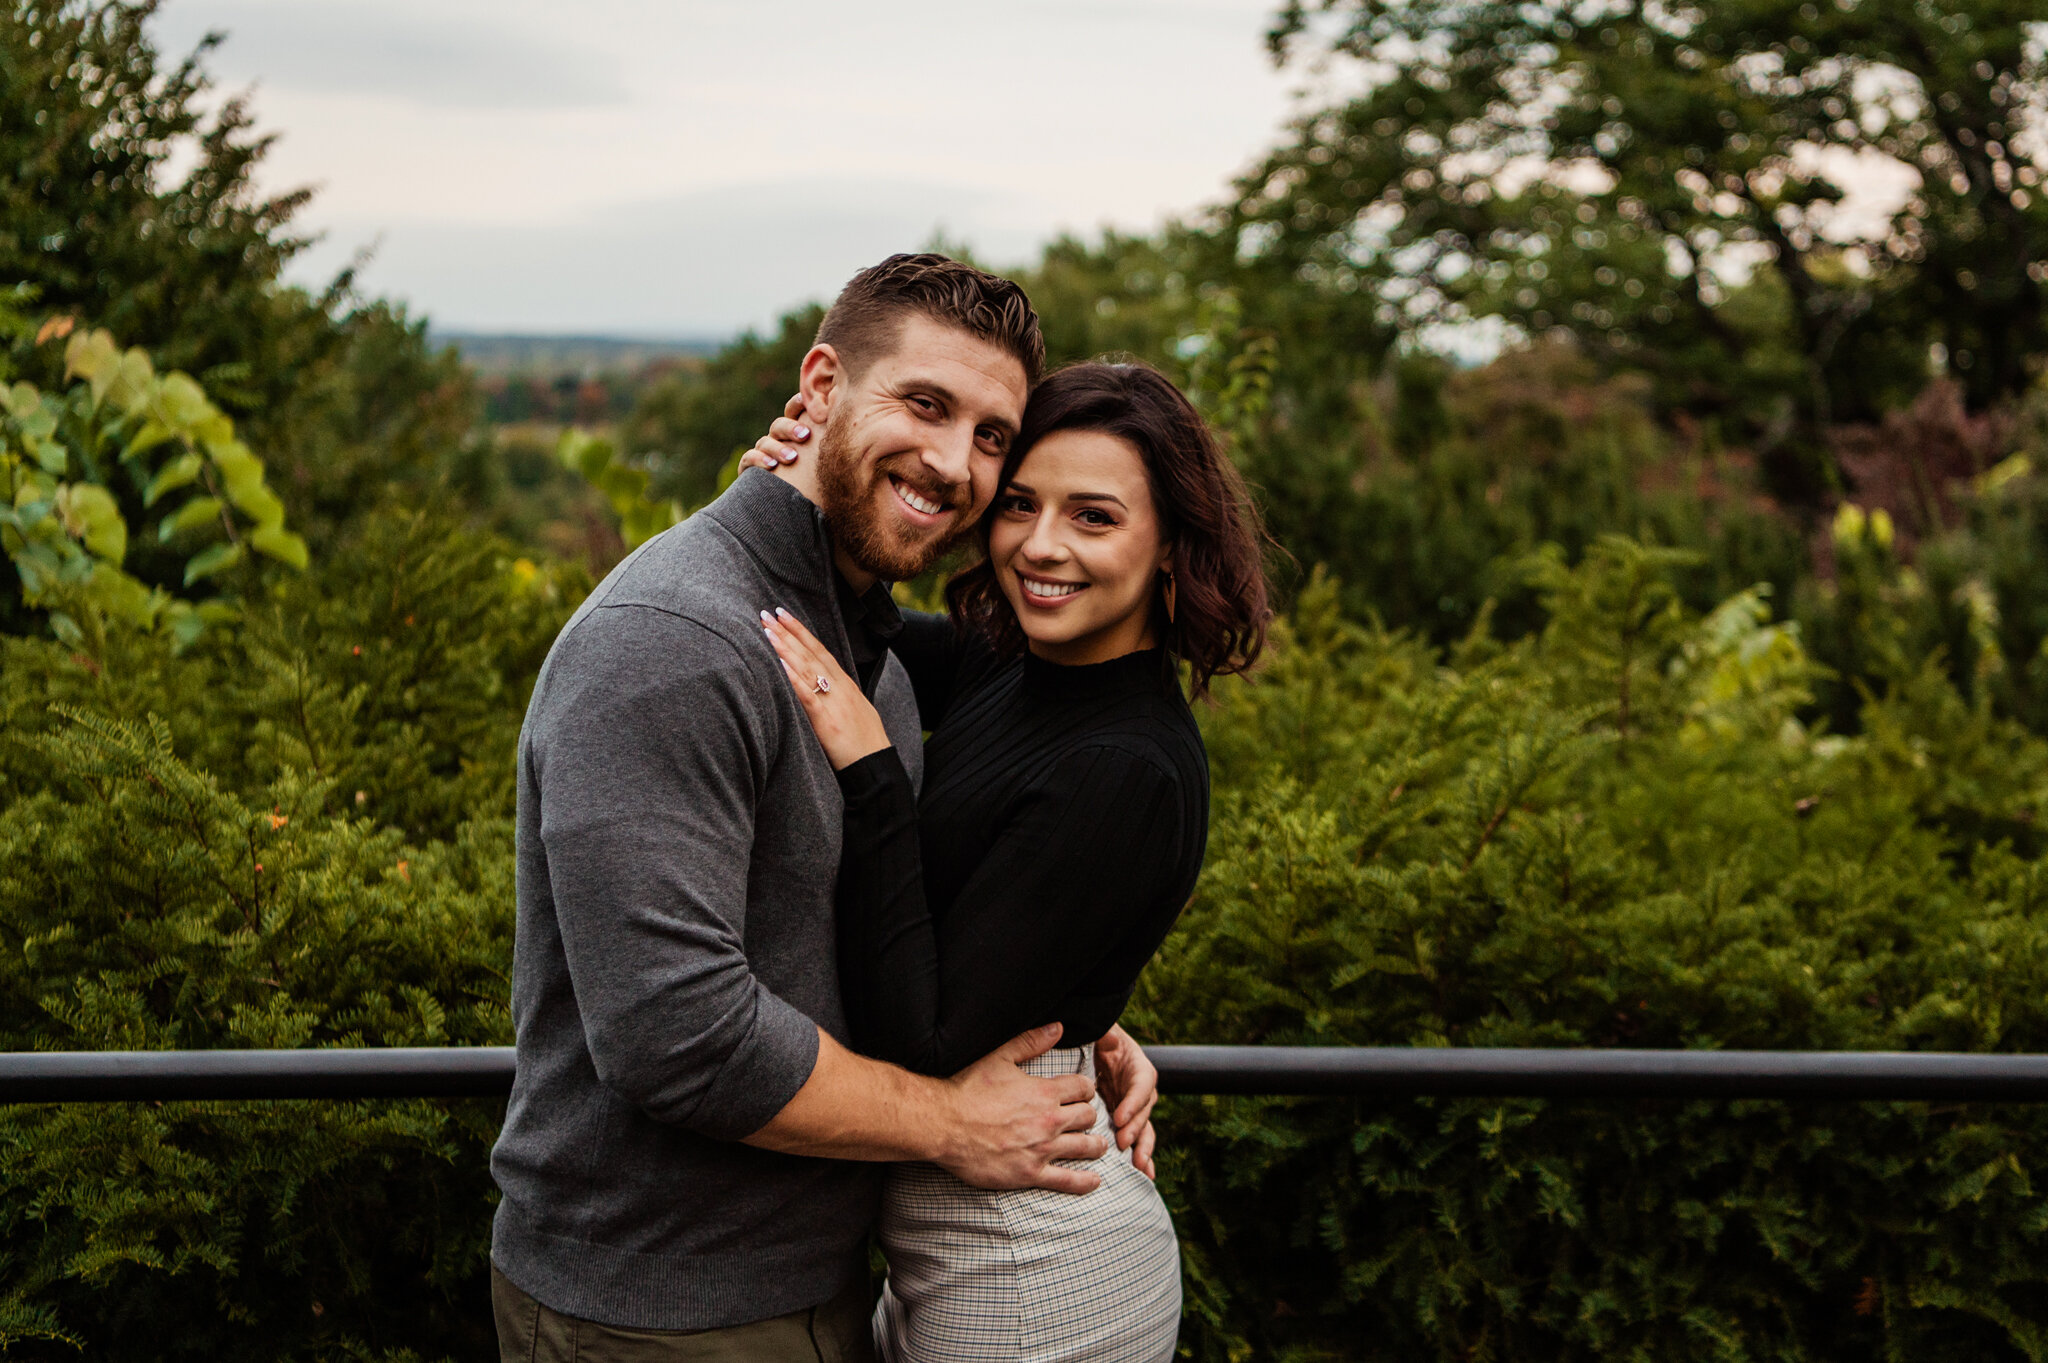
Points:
789	456
766	618
784	614
803	433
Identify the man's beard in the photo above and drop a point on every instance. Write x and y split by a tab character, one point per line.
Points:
857	523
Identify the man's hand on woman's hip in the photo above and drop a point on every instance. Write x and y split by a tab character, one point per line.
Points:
992	1125
1010	1129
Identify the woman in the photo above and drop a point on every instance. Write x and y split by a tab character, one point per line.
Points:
1060	830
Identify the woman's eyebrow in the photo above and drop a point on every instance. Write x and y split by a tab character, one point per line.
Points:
1014	486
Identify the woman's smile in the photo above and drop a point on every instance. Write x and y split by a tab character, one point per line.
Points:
1046	594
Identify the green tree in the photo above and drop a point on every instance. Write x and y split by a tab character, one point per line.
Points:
1610	170
97	215
692	423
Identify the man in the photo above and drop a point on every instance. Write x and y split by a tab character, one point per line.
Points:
681	1061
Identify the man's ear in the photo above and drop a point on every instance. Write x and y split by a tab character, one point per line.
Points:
822	380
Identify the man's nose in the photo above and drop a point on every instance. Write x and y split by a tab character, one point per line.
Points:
950	459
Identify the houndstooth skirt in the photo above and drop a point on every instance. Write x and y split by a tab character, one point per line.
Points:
1031	1276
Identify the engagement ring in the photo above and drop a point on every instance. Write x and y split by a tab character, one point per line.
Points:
822	687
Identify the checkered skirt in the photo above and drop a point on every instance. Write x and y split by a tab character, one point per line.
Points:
1031	1276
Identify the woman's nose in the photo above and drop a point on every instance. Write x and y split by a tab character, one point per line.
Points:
1044	543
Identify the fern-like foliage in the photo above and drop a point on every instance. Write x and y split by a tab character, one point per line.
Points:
1616	832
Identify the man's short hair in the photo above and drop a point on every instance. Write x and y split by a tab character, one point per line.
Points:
866	322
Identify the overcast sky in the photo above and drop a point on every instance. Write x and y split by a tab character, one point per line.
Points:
692	168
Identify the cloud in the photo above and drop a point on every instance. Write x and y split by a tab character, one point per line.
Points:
532	165
362	47
708	263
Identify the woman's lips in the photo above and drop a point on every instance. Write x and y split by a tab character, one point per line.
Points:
1047	594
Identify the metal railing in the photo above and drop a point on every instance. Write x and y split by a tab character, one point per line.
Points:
1369	1071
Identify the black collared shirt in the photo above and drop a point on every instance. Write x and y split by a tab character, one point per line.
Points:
872	624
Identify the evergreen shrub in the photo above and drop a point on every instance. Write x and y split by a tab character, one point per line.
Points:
295	833
1614	832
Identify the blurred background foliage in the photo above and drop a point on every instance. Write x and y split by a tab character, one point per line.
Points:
1664	665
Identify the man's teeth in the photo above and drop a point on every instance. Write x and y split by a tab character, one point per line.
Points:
1051	588
917	503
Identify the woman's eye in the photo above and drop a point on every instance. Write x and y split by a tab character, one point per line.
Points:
1013	505
1097	518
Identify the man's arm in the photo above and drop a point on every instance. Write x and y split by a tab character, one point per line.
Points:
645	755
992	1125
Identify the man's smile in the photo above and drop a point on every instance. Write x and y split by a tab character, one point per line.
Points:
926	508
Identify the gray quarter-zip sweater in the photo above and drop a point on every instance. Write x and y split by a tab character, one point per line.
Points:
678	842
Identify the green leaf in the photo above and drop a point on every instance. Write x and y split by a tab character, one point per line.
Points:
185	626
20	400
217	433
193	514
280	544
211	561
172	476
53	457
37	487
242	478
236	464
92	516
35	579
624	486
584	454
260	505
569	450
66	629
39	422
134	380
184	402
122	596
88	355
151	434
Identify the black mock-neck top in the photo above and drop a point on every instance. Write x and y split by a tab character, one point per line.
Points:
1061	828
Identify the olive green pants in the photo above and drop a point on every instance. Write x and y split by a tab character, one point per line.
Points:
836	1332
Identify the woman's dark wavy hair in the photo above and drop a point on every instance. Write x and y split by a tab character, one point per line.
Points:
1206	514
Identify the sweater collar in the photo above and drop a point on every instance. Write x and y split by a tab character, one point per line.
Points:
1146	670
781	528
784	532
